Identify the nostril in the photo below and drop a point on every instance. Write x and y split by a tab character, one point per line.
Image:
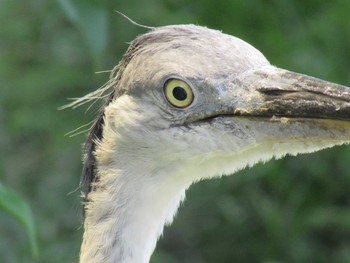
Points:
275	91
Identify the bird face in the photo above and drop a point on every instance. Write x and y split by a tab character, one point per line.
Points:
189	103
208	100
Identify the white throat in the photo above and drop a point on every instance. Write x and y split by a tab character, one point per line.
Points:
120	228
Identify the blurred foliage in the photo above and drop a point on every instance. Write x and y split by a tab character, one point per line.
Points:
292	210
16	206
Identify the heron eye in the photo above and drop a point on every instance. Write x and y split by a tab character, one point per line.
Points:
178	93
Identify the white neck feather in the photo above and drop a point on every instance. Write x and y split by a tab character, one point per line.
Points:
120	228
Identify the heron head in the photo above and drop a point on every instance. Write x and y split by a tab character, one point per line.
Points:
202	103
187	103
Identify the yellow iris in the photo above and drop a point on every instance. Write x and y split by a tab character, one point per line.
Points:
178	93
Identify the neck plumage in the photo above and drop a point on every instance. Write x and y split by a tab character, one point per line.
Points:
134	196
126	215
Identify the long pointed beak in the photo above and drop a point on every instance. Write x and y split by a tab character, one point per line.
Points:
268	112
274	92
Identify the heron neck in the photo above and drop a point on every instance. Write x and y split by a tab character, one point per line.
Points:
126	216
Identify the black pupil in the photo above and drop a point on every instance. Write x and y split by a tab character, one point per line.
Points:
179	93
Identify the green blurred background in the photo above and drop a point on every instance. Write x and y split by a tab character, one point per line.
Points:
293	210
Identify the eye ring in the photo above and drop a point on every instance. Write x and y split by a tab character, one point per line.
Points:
178	93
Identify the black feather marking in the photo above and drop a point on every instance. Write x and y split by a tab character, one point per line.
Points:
88	172
88	175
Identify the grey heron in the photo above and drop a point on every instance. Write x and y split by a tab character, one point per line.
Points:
188	103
